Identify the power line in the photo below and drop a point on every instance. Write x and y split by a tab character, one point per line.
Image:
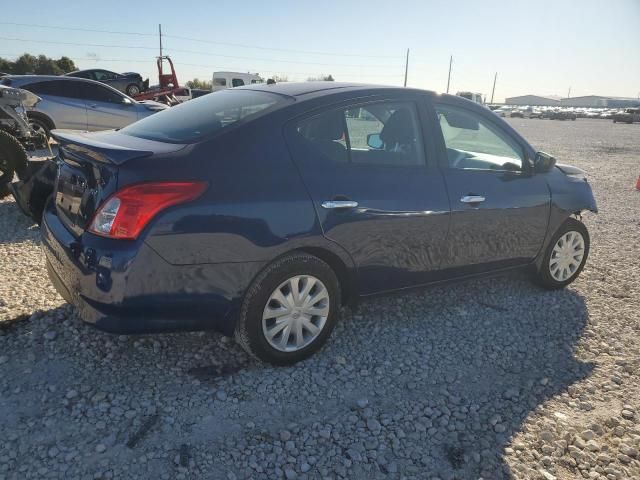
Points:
262	59
53	27
77	44
310	52
196	52
200	40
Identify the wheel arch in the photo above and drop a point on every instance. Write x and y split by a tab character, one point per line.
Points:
339	267
558	217
43	117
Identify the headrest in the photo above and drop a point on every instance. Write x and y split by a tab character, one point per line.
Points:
399	128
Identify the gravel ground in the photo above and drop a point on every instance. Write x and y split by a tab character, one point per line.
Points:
488	379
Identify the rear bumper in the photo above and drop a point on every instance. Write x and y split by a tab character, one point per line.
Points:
125	287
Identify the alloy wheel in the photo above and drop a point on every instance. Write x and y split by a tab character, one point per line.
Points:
295	313
566	256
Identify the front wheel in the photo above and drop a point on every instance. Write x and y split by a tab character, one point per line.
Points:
565	256
133	89
290	310
41	129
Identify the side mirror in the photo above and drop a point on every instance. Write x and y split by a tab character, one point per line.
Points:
127	101
374	141
543	162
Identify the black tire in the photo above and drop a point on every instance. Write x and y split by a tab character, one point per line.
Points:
4	190
542	276
132	90
13	159
249	333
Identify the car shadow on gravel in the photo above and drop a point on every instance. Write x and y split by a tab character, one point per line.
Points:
424	384
17	227
493	351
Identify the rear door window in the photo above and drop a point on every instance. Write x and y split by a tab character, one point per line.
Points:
104	75
87	74
237	82
220	82
384	133
58	88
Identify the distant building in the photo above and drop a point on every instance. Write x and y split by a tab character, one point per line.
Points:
533	100
598	101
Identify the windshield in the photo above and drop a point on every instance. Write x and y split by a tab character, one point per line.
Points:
199	118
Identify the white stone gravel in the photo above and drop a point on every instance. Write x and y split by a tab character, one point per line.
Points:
489	379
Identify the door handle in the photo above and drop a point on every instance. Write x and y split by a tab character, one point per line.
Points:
472	199
331	204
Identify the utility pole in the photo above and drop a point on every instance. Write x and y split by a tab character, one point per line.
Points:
449	78
495	77
160	32
569	93
406	68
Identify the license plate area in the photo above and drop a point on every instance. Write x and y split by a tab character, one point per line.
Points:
72	189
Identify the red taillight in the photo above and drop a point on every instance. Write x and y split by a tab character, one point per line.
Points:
127	211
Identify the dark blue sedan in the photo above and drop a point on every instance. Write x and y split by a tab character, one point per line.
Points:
258	211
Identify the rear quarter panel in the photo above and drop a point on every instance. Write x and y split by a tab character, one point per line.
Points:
255	208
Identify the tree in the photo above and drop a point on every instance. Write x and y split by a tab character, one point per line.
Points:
321	78
47	66
40	65
199	84
5	65
280	78
66	64
25	64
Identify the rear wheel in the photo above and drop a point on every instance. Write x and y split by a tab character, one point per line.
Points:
565	256
290	310
12	158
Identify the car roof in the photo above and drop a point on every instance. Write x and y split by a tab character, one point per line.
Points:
18	81
22	79
91	70
50	77
300	89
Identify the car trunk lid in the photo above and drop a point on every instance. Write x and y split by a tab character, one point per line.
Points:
88	166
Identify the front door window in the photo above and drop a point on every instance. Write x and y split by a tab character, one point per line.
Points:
474	143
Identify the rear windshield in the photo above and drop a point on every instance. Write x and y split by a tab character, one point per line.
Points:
199	118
